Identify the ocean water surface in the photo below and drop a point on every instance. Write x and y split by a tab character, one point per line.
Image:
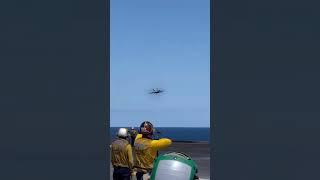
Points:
176	134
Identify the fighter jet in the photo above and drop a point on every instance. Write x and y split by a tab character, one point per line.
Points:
156	91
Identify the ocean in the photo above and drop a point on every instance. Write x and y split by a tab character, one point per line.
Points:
176	134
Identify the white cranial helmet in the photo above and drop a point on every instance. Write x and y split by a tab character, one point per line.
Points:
123	132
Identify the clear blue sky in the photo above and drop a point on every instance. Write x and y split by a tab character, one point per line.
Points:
160	44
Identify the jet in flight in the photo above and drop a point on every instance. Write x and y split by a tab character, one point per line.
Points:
156	91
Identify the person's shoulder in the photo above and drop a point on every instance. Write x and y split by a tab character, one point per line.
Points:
124	140
128	145
139	136
143	140
119	140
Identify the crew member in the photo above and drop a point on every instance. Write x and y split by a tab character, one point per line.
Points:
133	135
121	156
146	149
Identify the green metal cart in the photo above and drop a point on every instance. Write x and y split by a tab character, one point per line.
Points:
174	166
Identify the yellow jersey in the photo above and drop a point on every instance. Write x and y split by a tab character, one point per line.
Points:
146	151
121	153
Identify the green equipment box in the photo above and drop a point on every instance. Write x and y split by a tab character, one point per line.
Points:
174	166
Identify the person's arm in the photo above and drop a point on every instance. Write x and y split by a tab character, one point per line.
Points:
111	152
161	143
130	157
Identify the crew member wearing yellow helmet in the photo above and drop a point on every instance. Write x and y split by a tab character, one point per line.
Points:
121	156
146	149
